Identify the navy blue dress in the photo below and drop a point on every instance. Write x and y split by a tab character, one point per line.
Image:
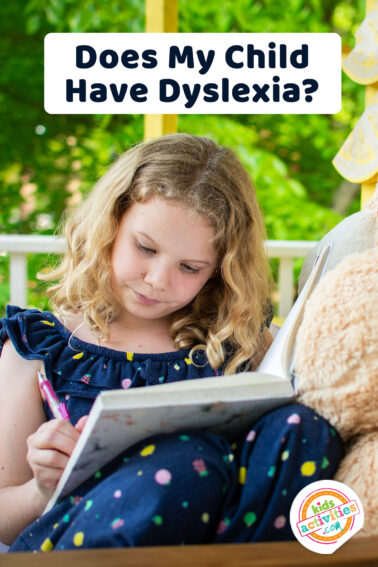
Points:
187	487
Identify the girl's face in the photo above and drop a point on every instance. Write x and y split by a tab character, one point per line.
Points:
162	256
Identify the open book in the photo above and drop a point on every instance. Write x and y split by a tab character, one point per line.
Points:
224	404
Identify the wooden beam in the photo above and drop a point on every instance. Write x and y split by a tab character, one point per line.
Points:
161	17
357	551
156	125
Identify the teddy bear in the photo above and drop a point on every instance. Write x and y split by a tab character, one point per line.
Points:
336	365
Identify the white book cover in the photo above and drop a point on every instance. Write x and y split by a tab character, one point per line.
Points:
224	404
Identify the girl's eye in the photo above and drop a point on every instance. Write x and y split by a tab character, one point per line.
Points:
189	269
145	248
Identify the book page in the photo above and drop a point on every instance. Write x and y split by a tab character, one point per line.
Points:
279	358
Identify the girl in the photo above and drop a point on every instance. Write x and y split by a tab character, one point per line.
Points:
165	279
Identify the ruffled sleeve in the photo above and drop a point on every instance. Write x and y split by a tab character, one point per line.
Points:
21	327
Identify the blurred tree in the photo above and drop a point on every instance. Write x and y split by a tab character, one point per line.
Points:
48	161
58	155
306	143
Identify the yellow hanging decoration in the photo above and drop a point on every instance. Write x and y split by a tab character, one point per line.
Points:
357	160
361	64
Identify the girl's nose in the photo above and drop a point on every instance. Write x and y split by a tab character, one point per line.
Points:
157	276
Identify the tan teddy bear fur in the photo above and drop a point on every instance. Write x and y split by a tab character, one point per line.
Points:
337	369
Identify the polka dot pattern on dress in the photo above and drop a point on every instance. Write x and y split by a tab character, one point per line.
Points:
78	539
294	419
117	523
308	468
163	476
88	505
280	522
251	435
250	518
285	455
147	451
243	491
242	475
47	545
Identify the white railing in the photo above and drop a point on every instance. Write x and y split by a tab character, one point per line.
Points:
18	246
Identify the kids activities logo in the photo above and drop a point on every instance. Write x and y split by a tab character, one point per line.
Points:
325	514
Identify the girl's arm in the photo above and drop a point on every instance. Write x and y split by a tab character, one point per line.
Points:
33	452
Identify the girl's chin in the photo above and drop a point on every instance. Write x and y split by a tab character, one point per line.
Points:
139	310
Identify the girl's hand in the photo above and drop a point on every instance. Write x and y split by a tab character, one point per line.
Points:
80	424
49	449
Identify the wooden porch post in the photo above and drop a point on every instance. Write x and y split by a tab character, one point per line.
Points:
371	91
161	17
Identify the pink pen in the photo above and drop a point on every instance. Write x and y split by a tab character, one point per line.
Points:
59	410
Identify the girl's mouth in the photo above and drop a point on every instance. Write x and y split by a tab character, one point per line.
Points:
145	300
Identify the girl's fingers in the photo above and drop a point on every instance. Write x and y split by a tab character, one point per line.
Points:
47	466
47	459
49	449
55	434
81	423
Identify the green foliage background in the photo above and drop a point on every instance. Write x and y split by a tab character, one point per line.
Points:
61	156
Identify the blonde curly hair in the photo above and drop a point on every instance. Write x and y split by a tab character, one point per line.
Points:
227	316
